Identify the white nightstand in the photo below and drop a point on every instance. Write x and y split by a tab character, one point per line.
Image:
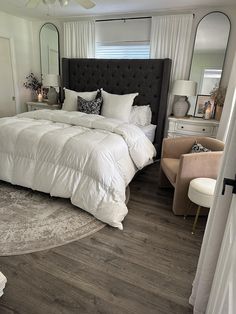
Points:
35	105
190	126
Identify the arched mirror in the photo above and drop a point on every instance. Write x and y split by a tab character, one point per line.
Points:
49	49
209	53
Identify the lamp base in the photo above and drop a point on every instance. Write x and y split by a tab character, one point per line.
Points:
52	96
181	107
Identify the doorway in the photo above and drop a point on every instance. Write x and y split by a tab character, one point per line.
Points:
7	92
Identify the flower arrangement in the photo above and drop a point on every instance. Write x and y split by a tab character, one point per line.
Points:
33	83
218	94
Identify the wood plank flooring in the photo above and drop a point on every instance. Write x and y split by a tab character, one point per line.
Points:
147	268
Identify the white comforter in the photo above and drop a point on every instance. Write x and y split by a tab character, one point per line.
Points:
88	158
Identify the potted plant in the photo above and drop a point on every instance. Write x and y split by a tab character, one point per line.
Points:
218	95
33	83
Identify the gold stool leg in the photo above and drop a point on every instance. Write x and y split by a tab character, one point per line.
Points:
188	209
196	219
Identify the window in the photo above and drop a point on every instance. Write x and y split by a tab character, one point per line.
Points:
123	50
210	79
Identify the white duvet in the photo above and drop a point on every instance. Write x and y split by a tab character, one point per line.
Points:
87	158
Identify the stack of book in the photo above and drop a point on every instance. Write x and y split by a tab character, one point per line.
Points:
3	281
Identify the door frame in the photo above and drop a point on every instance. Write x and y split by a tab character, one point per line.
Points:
14	72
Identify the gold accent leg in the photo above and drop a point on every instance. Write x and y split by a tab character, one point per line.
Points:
196	219
188	210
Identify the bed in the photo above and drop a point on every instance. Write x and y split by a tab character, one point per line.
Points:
88	158
148	77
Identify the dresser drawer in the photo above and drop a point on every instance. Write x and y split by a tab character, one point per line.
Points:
194	128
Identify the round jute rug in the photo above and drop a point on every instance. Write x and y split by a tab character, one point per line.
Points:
32	221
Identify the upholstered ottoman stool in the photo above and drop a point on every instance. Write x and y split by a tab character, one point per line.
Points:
201	192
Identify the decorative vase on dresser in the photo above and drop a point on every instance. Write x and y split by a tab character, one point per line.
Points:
190	126
218	112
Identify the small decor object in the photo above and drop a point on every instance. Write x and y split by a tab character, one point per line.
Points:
183	88
218	95
208	112
52	81
199	148
40	97
33	83
203	103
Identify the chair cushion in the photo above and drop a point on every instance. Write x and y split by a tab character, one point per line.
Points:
170	166
201	191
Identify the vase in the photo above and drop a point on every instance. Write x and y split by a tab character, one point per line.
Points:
34	95
181	107
218	112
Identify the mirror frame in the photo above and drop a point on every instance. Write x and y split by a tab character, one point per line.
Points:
40	48
226	48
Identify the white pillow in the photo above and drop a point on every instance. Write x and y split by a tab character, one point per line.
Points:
70	102
117	106
141	115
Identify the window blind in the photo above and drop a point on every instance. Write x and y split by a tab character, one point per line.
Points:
123	51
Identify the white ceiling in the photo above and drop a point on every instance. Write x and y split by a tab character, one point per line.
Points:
104	7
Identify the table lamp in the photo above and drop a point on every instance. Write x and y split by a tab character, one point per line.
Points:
52	81
183	88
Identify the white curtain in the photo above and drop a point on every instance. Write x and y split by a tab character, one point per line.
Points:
170	38
79	39
217	217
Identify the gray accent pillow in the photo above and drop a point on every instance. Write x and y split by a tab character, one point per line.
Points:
198	148
89	106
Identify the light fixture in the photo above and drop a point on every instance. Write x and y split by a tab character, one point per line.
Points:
183	88
52	81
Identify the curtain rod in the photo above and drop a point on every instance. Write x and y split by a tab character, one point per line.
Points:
129	18
125	19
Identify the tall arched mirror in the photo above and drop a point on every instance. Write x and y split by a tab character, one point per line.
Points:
209	53
49	49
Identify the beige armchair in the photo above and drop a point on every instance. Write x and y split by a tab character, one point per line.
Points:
179	166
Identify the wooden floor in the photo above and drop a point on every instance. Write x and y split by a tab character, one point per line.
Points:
147	268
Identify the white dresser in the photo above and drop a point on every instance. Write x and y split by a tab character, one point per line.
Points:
190	126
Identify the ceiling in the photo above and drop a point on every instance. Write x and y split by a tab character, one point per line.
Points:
104	7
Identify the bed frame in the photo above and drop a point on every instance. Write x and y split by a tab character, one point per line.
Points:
148	77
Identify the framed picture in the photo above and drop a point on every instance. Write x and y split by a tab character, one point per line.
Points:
45	93
202	103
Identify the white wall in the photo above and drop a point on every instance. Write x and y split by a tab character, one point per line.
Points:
24	35
19	32
120	31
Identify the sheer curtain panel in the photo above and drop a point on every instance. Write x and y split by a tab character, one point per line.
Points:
79	39
170	38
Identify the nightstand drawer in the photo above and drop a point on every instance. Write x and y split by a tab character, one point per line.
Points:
194	128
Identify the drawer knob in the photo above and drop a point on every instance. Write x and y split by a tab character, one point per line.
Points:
182	127
204	130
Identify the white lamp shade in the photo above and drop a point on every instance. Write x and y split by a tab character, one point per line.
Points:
184	88
51	80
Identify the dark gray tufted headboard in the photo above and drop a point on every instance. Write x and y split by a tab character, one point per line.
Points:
148	77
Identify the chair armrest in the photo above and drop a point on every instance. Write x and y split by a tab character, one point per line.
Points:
175	147
197	165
